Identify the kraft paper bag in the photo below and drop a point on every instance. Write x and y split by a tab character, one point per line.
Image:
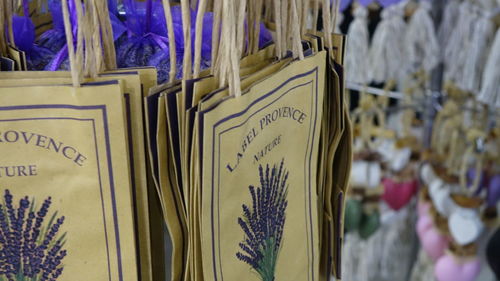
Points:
259	151
330	203
65	182
136	151
197	89
172	197
331	134
343	155
343	160
171	100
165	179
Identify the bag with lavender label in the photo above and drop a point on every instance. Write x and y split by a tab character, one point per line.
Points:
258	153
65	180
133	109
63	145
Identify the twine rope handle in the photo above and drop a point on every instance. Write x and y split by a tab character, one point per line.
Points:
89	62
327	27
186	30
167	10
215	35
305	16
334	12
227	62
75	58
284	27
240	36
230	66
297	41
277	20
255	21
234	80
106	31
315	16
202	4
222	60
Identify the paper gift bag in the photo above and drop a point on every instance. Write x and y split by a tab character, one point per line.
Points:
90	126
66	183
136	151
259	178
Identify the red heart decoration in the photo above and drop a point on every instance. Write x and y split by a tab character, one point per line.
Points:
397	195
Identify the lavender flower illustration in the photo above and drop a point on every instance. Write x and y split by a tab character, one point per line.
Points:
30	249
264	221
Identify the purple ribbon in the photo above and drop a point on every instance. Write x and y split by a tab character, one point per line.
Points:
58	59
160	40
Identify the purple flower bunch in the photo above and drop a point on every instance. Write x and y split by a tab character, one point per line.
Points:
30	249
264	222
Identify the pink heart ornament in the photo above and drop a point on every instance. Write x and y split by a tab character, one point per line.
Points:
424	223
449	268
434	243
398	195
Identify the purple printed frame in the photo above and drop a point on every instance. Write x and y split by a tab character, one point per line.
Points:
310	145
103	110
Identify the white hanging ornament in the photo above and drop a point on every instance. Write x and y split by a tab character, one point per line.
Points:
456	50
448	24
421	42
479	47
386	52
490	86
356	59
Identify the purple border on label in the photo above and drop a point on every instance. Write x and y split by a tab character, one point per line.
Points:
103	110
315	70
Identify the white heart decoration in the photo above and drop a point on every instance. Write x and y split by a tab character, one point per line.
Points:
400	159
465	225
359	173
440	195
366	174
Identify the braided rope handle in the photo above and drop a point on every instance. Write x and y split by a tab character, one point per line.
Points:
75	56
